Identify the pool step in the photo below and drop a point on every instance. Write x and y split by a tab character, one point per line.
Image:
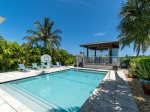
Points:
30	101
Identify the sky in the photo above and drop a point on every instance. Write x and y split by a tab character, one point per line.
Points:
81	21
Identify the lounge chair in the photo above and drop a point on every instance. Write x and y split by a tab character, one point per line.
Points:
43	65
23	68
58	64
35	66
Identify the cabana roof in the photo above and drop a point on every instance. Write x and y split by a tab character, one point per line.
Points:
101	45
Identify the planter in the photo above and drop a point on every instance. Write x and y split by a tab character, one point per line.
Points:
145	86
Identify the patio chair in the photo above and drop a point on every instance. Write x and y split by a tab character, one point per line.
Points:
58	64
23	68
43	65
35	66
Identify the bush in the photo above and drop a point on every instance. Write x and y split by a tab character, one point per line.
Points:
11	54
140	67
127	60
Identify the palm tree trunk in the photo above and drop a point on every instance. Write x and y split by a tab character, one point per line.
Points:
138	52
43	50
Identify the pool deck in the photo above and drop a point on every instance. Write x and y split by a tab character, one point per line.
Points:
112	95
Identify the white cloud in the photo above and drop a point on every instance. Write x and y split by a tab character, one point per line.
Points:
80	2
99	34
2	19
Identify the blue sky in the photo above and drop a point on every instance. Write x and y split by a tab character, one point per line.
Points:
82	21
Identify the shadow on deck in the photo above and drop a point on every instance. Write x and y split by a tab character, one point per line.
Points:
111	96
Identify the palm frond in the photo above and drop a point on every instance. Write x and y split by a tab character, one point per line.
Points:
134	26
45	35
31	32
57	32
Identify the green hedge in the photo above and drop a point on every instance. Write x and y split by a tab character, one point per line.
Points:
127	60
11	54
140	59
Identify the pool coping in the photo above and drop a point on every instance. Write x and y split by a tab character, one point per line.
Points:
45	73
109	76
42	72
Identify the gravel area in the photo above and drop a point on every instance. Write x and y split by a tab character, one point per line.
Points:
142	100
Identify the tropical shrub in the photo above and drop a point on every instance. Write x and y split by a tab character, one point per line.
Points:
43	40
11	54
125	60
128	59
140	67
63	57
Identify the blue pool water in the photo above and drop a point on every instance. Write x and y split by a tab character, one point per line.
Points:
67	90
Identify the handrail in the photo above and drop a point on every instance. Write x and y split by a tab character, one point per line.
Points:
102	60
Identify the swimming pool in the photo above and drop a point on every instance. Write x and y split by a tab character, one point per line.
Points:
63	91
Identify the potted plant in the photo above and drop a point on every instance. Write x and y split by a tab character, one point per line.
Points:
142	71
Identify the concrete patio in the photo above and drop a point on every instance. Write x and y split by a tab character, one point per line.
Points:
112	95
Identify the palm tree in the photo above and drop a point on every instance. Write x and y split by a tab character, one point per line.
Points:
135	25
44	36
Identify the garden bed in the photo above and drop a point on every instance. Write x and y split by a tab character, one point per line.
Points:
142	100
